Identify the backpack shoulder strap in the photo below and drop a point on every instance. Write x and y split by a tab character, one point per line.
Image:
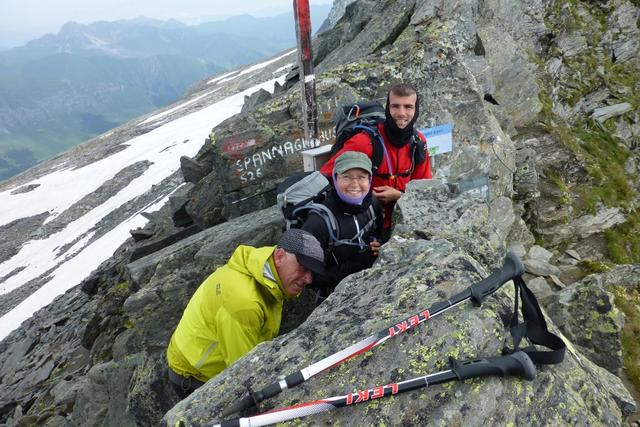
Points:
418	149
372	212
325	213
357	239
376	144
372	219
418	153
534	328
378	150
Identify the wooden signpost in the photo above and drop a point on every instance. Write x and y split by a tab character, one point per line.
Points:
302	17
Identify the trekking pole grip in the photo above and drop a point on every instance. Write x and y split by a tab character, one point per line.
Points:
516	364
511	269
252	400
241	404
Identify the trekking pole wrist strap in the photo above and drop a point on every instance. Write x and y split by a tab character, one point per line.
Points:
534	328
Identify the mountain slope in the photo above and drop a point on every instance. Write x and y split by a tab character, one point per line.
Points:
62	89
78	233
503	73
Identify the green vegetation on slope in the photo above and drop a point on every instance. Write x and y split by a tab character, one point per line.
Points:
57	102
603	154
628	300
623	241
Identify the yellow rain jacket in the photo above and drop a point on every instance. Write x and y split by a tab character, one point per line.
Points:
232	311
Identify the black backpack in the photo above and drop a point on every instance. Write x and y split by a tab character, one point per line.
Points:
351	119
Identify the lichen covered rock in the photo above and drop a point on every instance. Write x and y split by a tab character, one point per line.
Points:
586	314
416	269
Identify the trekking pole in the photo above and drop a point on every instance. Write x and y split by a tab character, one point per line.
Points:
516	364
511	269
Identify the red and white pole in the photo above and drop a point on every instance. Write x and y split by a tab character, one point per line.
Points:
302	17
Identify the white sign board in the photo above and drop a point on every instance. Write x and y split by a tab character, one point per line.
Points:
313	159
439	139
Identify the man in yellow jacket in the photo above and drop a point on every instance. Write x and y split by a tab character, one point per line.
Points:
239	306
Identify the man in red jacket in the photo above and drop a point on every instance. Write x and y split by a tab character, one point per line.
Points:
398	165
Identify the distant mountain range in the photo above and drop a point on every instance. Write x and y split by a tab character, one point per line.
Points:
62	89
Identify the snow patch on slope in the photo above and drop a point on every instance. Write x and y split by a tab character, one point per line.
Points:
257	67
57	191
176	108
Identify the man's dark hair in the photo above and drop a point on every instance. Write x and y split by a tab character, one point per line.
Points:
403	89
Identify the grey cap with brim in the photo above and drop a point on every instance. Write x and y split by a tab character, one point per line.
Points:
305	247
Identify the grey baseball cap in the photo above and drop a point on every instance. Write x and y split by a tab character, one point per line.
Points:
305	247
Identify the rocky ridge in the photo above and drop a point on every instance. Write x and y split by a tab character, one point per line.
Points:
414	272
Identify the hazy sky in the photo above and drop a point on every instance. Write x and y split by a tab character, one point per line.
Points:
23	20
